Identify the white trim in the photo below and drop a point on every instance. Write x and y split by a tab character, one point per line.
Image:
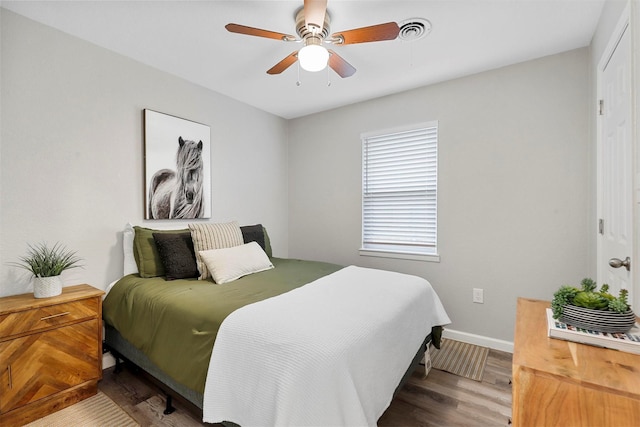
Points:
399	129
480	340
108	361
400	255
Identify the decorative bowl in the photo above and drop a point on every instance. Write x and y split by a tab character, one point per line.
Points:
598	320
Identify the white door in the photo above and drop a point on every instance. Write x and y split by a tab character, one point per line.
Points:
615	263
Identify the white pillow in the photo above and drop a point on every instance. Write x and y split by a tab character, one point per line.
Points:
229	264
130	266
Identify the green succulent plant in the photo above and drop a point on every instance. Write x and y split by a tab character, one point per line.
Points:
589	285
620	304
562	297
45	261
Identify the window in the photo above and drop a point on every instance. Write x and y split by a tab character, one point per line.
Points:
399	193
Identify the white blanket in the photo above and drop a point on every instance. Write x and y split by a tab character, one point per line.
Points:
327	354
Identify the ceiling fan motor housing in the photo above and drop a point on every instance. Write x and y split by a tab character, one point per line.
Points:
304	32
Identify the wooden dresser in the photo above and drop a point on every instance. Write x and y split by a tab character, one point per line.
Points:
561	383
50	352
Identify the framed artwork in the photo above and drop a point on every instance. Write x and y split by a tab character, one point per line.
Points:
177	163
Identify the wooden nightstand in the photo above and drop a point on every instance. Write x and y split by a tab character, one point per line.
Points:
50	352
561	383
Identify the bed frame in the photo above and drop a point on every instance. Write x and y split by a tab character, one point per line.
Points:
122	350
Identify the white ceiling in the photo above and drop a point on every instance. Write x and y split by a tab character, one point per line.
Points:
188	39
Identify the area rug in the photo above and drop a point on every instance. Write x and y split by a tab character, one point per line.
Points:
96	411
459	358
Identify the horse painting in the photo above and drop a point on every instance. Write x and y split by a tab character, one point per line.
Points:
178	194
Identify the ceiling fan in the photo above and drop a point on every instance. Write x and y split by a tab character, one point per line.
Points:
312	27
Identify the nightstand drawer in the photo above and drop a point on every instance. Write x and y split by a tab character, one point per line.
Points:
42	318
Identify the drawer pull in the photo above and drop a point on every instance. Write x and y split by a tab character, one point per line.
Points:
10	379
55	315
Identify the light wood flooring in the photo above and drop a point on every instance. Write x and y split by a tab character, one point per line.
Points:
442	399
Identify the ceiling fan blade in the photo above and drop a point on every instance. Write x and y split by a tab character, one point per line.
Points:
374	33
284	64
250	31
339	65
314	11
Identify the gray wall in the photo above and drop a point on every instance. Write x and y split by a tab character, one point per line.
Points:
513	195
72	151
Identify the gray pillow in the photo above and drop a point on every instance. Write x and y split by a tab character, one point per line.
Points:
177	255
257	233
253	233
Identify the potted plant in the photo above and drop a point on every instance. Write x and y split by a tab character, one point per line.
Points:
46	264
593	309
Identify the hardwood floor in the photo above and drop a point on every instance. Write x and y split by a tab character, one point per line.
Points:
442	399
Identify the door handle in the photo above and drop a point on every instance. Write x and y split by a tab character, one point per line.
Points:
617	263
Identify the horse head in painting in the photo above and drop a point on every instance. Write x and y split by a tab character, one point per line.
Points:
178	194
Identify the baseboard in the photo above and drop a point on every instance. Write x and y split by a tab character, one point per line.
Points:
478	340
108	360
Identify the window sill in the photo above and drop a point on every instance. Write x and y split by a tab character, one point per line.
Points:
400	255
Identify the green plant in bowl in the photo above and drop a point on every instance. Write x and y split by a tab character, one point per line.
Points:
589	308
589	297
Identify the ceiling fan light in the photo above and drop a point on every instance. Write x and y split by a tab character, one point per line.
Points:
313	57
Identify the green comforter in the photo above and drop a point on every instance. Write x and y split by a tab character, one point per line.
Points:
176	322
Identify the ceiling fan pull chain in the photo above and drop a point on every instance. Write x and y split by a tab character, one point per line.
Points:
328	77
298	82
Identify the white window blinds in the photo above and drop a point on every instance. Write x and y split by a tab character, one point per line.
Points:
400	169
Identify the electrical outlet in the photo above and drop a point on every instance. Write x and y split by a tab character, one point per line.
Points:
478	295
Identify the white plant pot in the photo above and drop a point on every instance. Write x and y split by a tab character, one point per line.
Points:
45	287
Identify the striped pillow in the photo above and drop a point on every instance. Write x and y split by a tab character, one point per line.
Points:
213	236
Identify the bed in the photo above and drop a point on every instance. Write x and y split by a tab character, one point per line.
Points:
293	343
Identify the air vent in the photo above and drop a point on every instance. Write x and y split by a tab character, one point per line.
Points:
414	29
